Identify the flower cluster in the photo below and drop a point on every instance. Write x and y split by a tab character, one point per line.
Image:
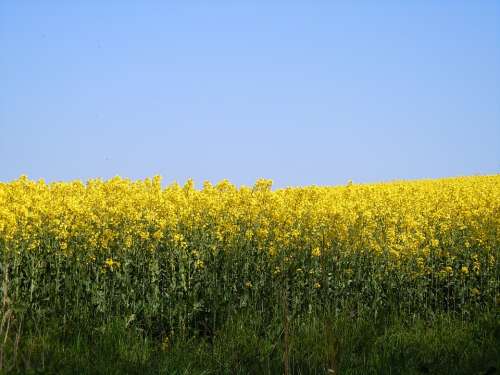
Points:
404	237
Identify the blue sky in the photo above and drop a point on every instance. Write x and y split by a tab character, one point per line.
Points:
300	92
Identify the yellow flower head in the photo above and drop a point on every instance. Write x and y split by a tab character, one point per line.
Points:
111	264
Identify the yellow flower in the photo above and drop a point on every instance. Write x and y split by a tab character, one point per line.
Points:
248	234
394	253
476	266
415	222
128	241
111	264
420	262
295	233
144	235
158	235
248	285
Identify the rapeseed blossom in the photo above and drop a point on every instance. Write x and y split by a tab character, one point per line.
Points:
175	249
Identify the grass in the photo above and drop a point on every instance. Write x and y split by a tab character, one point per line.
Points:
328	343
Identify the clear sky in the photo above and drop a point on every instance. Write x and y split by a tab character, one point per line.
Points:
309	92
